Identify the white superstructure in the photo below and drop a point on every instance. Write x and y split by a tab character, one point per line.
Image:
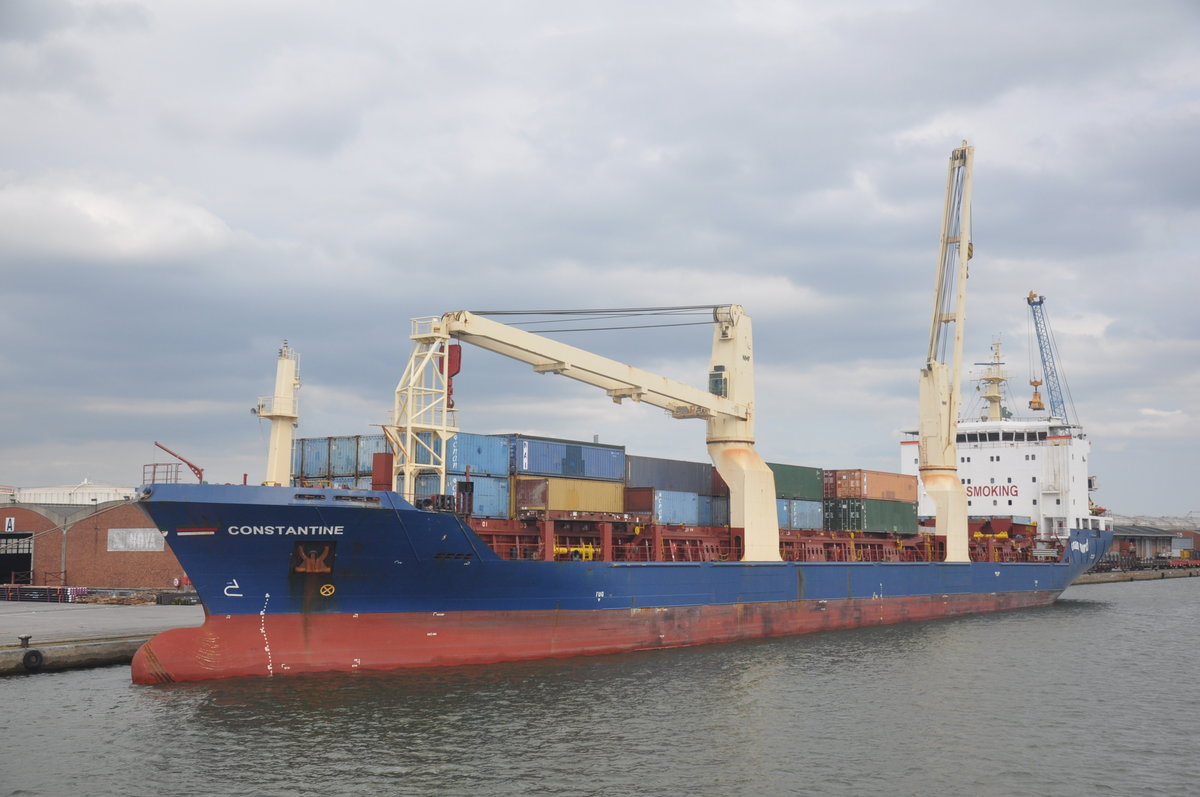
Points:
1029	469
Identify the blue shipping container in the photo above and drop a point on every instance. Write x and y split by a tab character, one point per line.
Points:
490	492
315	461
368	446
540	457
704	510
343	456
783	510
674	507
806	514
483	454
425	441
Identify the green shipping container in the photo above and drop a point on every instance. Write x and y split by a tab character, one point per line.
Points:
870	514
797	482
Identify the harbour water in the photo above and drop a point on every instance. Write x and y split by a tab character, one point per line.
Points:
1091	696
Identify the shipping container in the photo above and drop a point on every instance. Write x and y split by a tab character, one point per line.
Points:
538	456
797	482
483	454
314	463
783	513
879	485
668	507
807	514
867	514
557	494
490	494
720	510
368	446
704	510
669	474
426	447
343	456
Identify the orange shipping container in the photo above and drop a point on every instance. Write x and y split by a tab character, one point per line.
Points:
876	484
556	494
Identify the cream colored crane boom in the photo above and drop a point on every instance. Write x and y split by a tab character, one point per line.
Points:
940	378
727	407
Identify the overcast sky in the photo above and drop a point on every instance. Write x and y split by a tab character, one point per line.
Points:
184	185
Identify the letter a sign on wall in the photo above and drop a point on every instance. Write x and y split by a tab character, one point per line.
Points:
10	524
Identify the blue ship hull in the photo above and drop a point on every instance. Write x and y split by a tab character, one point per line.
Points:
337	580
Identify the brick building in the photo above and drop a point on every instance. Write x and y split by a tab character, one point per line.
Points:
108	546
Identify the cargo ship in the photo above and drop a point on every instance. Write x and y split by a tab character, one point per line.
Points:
313	580
298	579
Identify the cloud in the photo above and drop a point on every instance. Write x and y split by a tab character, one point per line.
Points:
113	220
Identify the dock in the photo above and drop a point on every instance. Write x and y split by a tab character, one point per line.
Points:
1137	575
48	637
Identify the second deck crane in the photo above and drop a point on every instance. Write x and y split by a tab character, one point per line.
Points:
940	378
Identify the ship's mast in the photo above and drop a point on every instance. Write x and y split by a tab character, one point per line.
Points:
992	381
282	410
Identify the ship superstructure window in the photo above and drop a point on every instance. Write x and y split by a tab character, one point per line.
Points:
1006	436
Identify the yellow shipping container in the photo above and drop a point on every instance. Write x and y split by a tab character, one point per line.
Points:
555	494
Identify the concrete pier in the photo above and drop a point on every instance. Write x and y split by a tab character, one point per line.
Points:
1137	575
65	636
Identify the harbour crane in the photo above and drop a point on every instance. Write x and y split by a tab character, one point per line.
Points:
1058	407
423	414
939	394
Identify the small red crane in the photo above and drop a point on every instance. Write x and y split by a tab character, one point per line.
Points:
195	469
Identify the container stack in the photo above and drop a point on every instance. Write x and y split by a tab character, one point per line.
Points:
336	461
555	476
481	459
798	496
674	492
520	476
870	501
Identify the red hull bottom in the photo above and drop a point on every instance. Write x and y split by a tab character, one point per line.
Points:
228	646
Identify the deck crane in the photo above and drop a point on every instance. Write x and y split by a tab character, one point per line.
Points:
939	393
1058	408
423	414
